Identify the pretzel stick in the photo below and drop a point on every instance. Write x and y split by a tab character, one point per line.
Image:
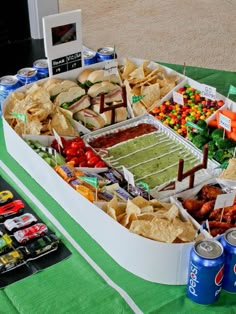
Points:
191	173
112	108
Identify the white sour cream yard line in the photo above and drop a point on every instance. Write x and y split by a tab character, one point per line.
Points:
108	280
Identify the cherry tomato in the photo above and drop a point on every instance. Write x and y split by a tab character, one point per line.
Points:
79	139
76	161
83	164
100	164
82	158
80	152
68	158
93	160
64	151
89	154
71	151
88	149
67	143
77	145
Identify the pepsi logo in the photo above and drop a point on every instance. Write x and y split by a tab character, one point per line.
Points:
219	276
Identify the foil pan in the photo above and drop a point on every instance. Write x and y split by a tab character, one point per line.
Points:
159	191
192	194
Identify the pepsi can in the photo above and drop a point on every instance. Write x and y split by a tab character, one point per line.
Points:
41	66
106	53
90	57
206	270
228	241
8	84
27	75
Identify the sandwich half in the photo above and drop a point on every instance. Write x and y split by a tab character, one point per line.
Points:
112	92
90	119
74	99
56	86
120	114
89	77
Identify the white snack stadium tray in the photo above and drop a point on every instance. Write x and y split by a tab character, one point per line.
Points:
153	261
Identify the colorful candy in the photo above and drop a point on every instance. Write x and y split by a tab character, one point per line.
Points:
195	108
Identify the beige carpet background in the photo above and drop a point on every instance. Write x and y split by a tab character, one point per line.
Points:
200	33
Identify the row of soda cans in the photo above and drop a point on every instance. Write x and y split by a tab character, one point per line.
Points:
40	69
28	75
102	54
212	268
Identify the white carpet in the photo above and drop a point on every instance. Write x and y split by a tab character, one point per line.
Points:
200	33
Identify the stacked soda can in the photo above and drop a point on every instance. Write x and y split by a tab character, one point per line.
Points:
106	53
102	54
90	56
206	269
8	84
228	241
27	75
212	268
41	66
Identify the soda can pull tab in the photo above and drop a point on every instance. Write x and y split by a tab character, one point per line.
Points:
233	235
206	247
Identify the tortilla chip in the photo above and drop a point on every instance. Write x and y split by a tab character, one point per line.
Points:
161	213
132	208
136	91
146	216
120	217
119	208
189	232
33	126
167	88
159	205
139	109
152	93
128	68
158	229
141	227
172	213
62	125
147	209
144	82
111	212
113	203
140	201
127	219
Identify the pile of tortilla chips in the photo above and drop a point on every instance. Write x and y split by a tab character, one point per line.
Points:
143	80
41	114
152	219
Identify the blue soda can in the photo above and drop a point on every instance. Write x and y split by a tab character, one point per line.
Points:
41	66
90	57
228	241
27	75
106	53
206	270
8	84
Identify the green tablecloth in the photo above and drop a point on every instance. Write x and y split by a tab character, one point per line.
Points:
73	286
